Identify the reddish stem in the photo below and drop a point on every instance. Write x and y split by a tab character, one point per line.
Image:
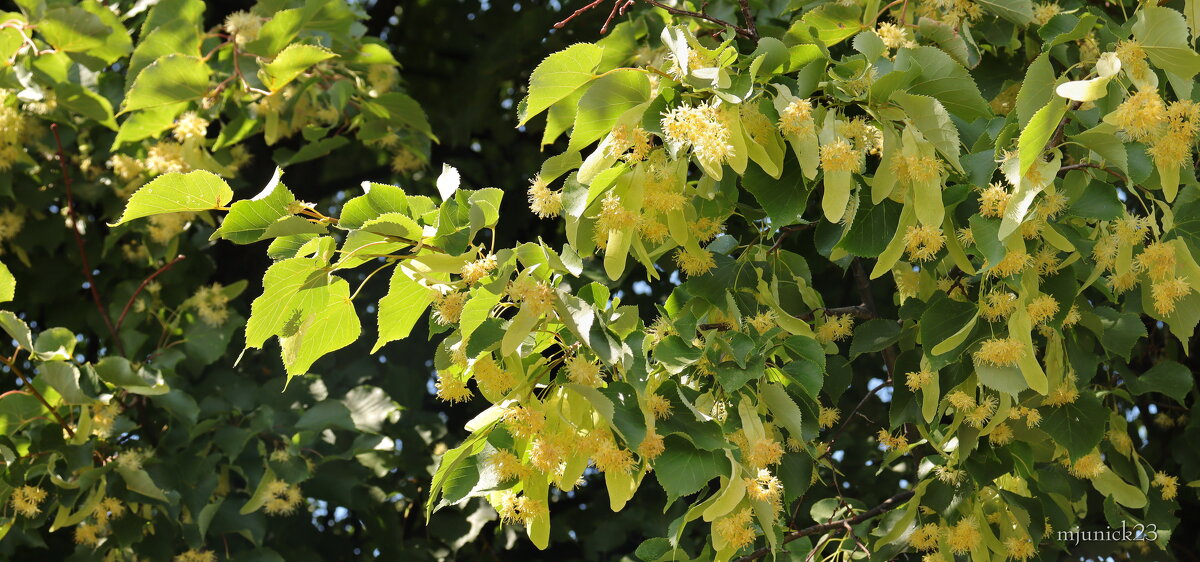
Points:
161	270
87	268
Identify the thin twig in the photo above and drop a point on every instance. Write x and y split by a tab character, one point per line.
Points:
1082	165
744	32
887	505
841	428
87	268
124	311
748	19
1061	131
29	384
749	32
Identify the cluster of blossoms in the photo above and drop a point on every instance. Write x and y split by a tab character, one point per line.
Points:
282	498
14	131
212	304
1157	262
93	529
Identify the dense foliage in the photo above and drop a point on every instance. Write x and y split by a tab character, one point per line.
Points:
817	277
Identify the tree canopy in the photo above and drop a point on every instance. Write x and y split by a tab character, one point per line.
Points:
440	280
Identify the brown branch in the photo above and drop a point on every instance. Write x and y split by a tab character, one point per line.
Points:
87	268
748	18
124	311
842	428
887	505
749	32
863	285
1082	165
1061	131
33	390
859	311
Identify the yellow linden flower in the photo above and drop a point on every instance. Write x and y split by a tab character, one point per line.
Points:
1045	261
507	465
980	414
963	537
1032	416
490	377
474	271
1157	260
835	328
828	416
1042	13
108	508
999	352
892	442
1120	440
925	538
764	322
1014	262
194	555
765	488
243	26
796	118
1019	548
405	161
865	137
608	456
1001	435
755	123
584	372
907	282
997	305
189	126
549	452
1169	485
1133	62
1063	394
448	307
88	534
949	475
694	262
524	422
1121	283
1087	466
840	156
735	529
659	406
960	400
537	295
451	389
1141	116
918	380
1171	149
706	228
212	305
1042	309
543	201
282	498
702	127
895	36
923	242
26	499
1052	205
652	446
1167	293
763	452
993	201
652	230
163	228
965	236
